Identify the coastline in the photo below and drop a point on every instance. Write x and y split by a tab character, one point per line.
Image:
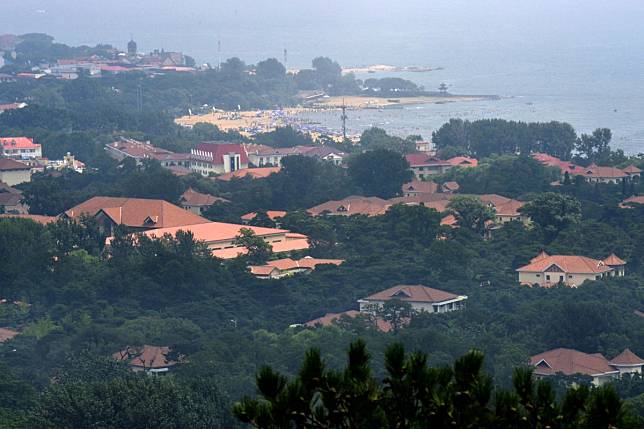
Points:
252	122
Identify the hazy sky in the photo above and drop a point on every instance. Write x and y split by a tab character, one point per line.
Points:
354	31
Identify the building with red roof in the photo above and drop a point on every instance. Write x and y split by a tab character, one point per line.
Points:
138	214
287	267
631	202
463	161
421	298
570	270
14	172
570	362
633	171
20	148
196	202
597	174
425	166
417	187
218	158
220	237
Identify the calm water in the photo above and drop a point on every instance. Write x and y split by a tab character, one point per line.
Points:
580	61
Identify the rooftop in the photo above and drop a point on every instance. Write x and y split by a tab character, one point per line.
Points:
137	212
218	150
413	293
567	263
193	198
148	357
569	362
627	358
370	206
253	173
18	143
7	164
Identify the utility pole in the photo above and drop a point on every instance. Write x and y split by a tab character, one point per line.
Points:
218	54
344	118
285	58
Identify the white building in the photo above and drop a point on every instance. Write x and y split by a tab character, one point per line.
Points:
421	298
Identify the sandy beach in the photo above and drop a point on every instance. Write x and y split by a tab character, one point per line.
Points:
251	122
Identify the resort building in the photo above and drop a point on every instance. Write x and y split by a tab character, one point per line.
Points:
571	270
220	237
463	161
218	158
14	172
137	214
421	298
260	155
596	174
633	171
571	362
19	148
288	267
353	205
425	166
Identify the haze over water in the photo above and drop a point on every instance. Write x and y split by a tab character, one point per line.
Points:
569	60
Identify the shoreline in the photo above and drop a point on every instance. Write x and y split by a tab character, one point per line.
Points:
252	122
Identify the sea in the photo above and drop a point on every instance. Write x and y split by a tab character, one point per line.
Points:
579	61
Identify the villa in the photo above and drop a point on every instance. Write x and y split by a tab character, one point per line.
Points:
571	270
421	298
571	362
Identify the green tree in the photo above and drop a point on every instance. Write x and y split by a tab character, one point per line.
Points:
258	249
471	212
270	69
377	138
380	172
553	211
396	312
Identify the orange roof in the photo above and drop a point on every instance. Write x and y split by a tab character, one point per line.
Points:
603	172
211	232
631	169
626	358
569	362
148	357
419	186
18	143
613	260
451	186
7	334
463	161
272	215
36	218
7	164
449	220
281	247
540	256
254	173
629	202
370	206
194	198
137	212
553	161
306	262
568	263
511	208
263	270
412	293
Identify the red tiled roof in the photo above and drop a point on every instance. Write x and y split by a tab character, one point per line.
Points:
568	263
463	161
540	256
614	260
412	293
194	198
423	159
281	247
418	186
306	262
628	202
451	186
603	172
569	362
370	206
553	161
253	173
631	169
272	215
148	357
18	143
218	150
7	164
138	149
9	199
626	358
137	212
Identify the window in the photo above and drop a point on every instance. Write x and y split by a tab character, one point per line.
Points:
538	275
561	278
547	276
